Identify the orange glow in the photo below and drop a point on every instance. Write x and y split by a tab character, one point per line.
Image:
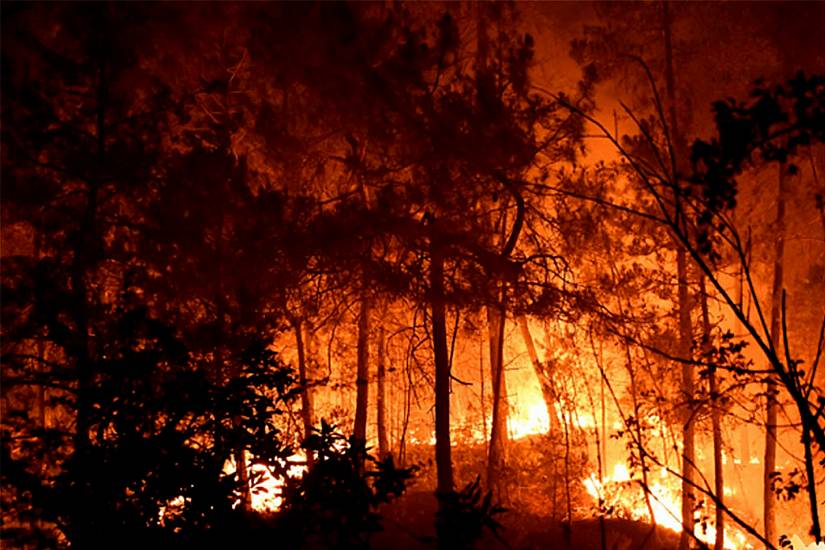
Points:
623	491
266	493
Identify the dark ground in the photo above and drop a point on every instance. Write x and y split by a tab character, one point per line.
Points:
408	524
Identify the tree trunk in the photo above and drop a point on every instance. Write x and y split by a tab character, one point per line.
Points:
541	373
816	528
362	375
716	423
82	260
498	430
443	450
771	389
685	329
688	439
303	380
718	466
744	438
380	398
481	379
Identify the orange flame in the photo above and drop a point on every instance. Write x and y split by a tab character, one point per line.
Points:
665	501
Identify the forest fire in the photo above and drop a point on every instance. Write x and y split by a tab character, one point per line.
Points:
266	489
447	275
619	491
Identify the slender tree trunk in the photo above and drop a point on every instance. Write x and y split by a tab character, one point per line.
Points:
816	528
605	459
443	449
639	438
685	329
597	429
483	398
380	398
688	438
744	438
771	389
718	466
541	374
408	391
362	384
498	430
81	262
303	380
716	423
568	519
362	375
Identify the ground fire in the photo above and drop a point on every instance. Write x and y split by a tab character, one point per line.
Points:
412	275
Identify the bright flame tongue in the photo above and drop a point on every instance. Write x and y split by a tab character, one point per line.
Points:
621	489
266	494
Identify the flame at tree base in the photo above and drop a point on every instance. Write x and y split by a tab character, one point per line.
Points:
622	495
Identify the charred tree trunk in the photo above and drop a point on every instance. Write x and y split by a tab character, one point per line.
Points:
498	430
443	450
362	385
303	381
380	398
716	423
816	528
688	438
495	314
541	373
481	379
685	329
771	387
568	518
639	440
408	391
82	261
362	374
744	438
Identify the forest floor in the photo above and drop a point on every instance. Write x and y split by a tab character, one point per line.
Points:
408	524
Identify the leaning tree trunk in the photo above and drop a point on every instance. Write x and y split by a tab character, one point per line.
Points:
544	377
362	374
716	423
498	431
771	389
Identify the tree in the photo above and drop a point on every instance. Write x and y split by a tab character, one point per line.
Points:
335	503
157	357
772	127
70	139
